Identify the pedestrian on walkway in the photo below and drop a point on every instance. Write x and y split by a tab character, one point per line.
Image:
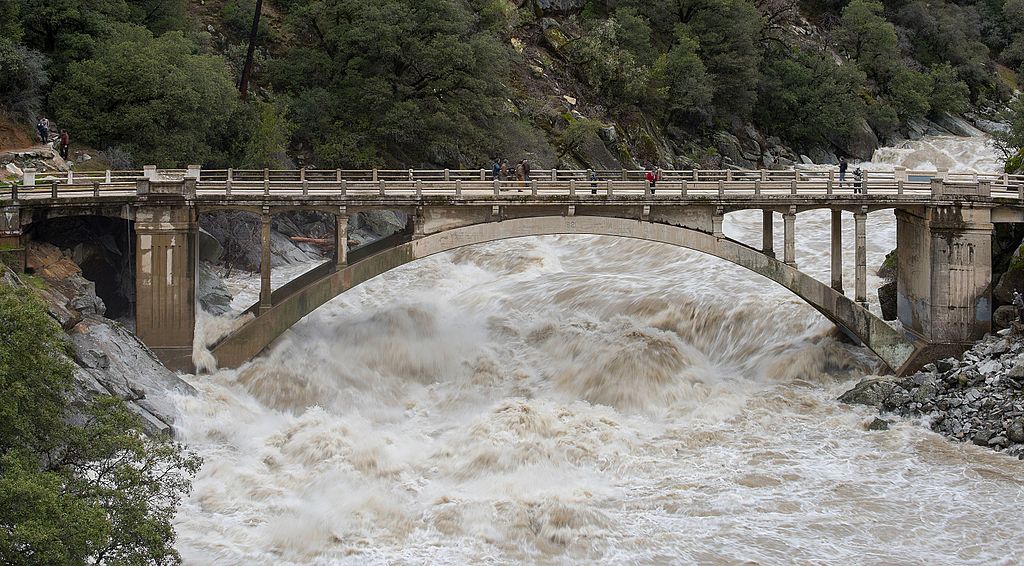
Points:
503	174
520	175
842	170
858	181
65	144
495	170
43	128
592	175
526	171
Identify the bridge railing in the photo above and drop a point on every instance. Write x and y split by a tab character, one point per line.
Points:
478	183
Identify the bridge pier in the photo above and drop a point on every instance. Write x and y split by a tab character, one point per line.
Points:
837	250
341	238
861	274
789	229
944	277
266	289
166	264
768	233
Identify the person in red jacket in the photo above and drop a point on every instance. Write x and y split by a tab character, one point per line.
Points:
65	143
652	179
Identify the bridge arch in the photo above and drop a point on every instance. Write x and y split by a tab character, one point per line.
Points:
251	338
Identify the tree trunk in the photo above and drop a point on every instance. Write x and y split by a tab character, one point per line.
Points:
243	84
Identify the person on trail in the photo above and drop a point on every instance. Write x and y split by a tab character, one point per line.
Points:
65	143
858	184
503	174
592	175
520	175
43	127
495	170
843	165
652	179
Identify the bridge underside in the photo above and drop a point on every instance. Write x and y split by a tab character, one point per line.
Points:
241	346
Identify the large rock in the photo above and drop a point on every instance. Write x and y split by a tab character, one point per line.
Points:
69	295
1003	317
958	126
211	292
860	143
1012	280
563	7
872	392
887	301
112	361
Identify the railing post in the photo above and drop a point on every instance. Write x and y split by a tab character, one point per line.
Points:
458	184
266	181
53	189
647	188
757	186
985	188
71	177
533	187
937	188
572	187
554	173
608	186
721	188
411	175
149	171
96	188
483	175
900	173
864	183
497	187
728	174
344	186
695	176
447	175
624	175
419	188
337	176
30	178
374	179
194	172
382	189
682	189
792	187
106	178
899	187
305	182
831	182
764	175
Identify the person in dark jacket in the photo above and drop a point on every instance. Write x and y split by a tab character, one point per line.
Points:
65	144
843	165
495	170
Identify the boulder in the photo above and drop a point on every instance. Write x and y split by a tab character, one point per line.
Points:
872	392
1003	317
1012	280
957	125
822	155
887	301
860	143
212	294
563	7
878	424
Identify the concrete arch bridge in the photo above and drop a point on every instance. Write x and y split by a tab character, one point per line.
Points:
944	227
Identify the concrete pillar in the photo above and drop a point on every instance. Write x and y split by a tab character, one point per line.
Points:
417	223
768	233
716	223
265	285
12	241
341	239
789	228
149	172
861	284
165	281
945	273
837	250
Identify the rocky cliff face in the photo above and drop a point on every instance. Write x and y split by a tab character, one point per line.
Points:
978	398
110	359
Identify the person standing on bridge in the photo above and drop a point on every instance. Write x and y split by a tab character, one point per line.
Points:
520	175
526	171
495	170
503	173
592	175
843	165
65	144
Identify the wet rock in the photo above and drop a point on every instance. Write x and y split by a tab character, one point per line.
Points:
879	424
860	143
981	437
212	294
887	301
1015	431
871	392
957	125
1004	316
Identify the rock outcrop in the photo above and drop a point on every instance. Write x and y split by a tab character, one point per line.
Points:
110	359
978	398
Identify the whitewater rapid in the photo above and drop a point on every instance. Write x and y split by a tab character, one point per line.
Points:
584	400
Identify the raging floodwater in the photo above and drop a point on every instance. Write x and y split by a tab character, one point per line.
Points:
582	400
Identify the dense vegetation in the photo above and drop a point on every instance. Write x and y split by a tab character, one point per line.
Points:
448	82
78	484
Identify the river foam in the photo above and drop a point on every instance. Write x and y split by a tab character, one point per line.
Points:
579	400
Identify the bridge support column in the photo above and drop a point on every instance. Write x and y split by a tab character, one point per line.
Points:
717	219
341	239
789	234
837	250
165	281
861	284
265	269
12	241
768	233
944	277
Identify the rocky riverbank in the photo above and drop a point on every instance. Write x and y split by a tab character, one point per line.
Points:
978	398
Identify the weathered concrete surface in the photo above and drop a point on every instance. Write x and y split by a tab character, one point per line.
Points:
252	338
944	281
166	264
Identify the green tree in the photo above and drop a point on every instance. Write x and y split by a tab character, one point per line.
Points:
1011	141
908	92
688	87
152	97
868	37
948	92
266	145
806	98
396	81
76	485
